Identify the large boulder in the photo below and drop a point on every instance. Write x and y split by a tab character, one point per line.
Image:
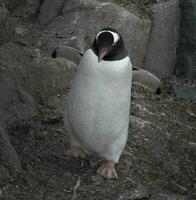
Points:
16	107
38	74
81	20
161	52
186	62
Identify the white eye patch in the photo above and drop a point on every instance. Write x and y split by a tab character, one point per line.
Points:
115	35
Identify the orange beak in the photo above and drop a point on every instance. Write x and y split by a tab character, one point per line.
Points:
102	54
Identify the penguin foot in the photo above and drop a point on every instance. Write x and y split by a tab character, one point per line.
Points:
107	170
76	152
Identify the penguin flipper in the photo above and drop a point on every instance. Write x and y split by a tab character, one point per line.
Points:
146	79
70	53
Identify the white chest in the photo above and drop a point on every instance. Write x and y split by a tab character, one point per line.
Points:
99	101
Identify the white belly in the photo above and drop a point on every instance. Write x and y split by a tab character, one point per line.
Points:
99	101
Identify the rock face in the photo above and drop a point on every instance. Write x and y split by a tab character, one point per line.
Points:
87	17
186	64
151	42
16	106
161	53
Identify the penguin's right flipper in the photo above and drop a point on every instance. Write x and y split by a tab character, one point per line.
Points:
146	79
70	53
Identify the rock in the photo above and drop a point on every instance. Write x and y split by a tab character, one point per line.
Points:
41	76
16	53
4	173
94	15
186	61
161	52
16	106
7	152
140	192
53	8
47	77
20	31
186	92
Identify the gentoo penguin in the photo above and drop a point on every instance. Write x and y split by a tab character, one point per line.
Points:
97	115
97	112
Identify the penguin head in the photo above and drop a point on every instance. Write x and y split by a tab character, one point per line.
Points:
109	45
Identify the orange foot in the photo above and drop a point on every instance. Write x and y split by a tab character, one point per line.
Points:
107	170
76	152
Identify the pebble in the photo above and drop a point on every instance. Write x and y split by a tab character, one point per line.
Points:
139	193
20	30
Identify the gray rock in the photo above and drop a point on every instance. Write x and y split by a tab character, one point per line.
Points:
94	16
7	152
4	173
186	92
47	77
186	61
161	53
140	192
16	106
50	9
41	76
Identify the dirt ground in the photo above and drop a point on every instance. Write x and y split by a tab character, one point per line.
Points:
159	161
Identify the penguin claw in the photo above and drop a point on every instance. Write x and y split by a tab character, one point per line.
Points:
107	170
76	152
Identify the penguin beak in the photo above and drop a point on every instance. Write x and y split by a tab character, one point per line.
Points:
102	54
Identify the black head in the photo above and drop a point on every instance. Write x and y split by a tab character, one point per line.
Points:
109	45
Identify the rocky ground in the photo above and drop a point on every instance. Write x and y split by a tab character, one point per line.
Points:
158	162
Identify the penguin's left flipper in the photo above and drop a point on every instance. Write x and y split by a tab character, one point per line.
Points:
70	53
146	79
